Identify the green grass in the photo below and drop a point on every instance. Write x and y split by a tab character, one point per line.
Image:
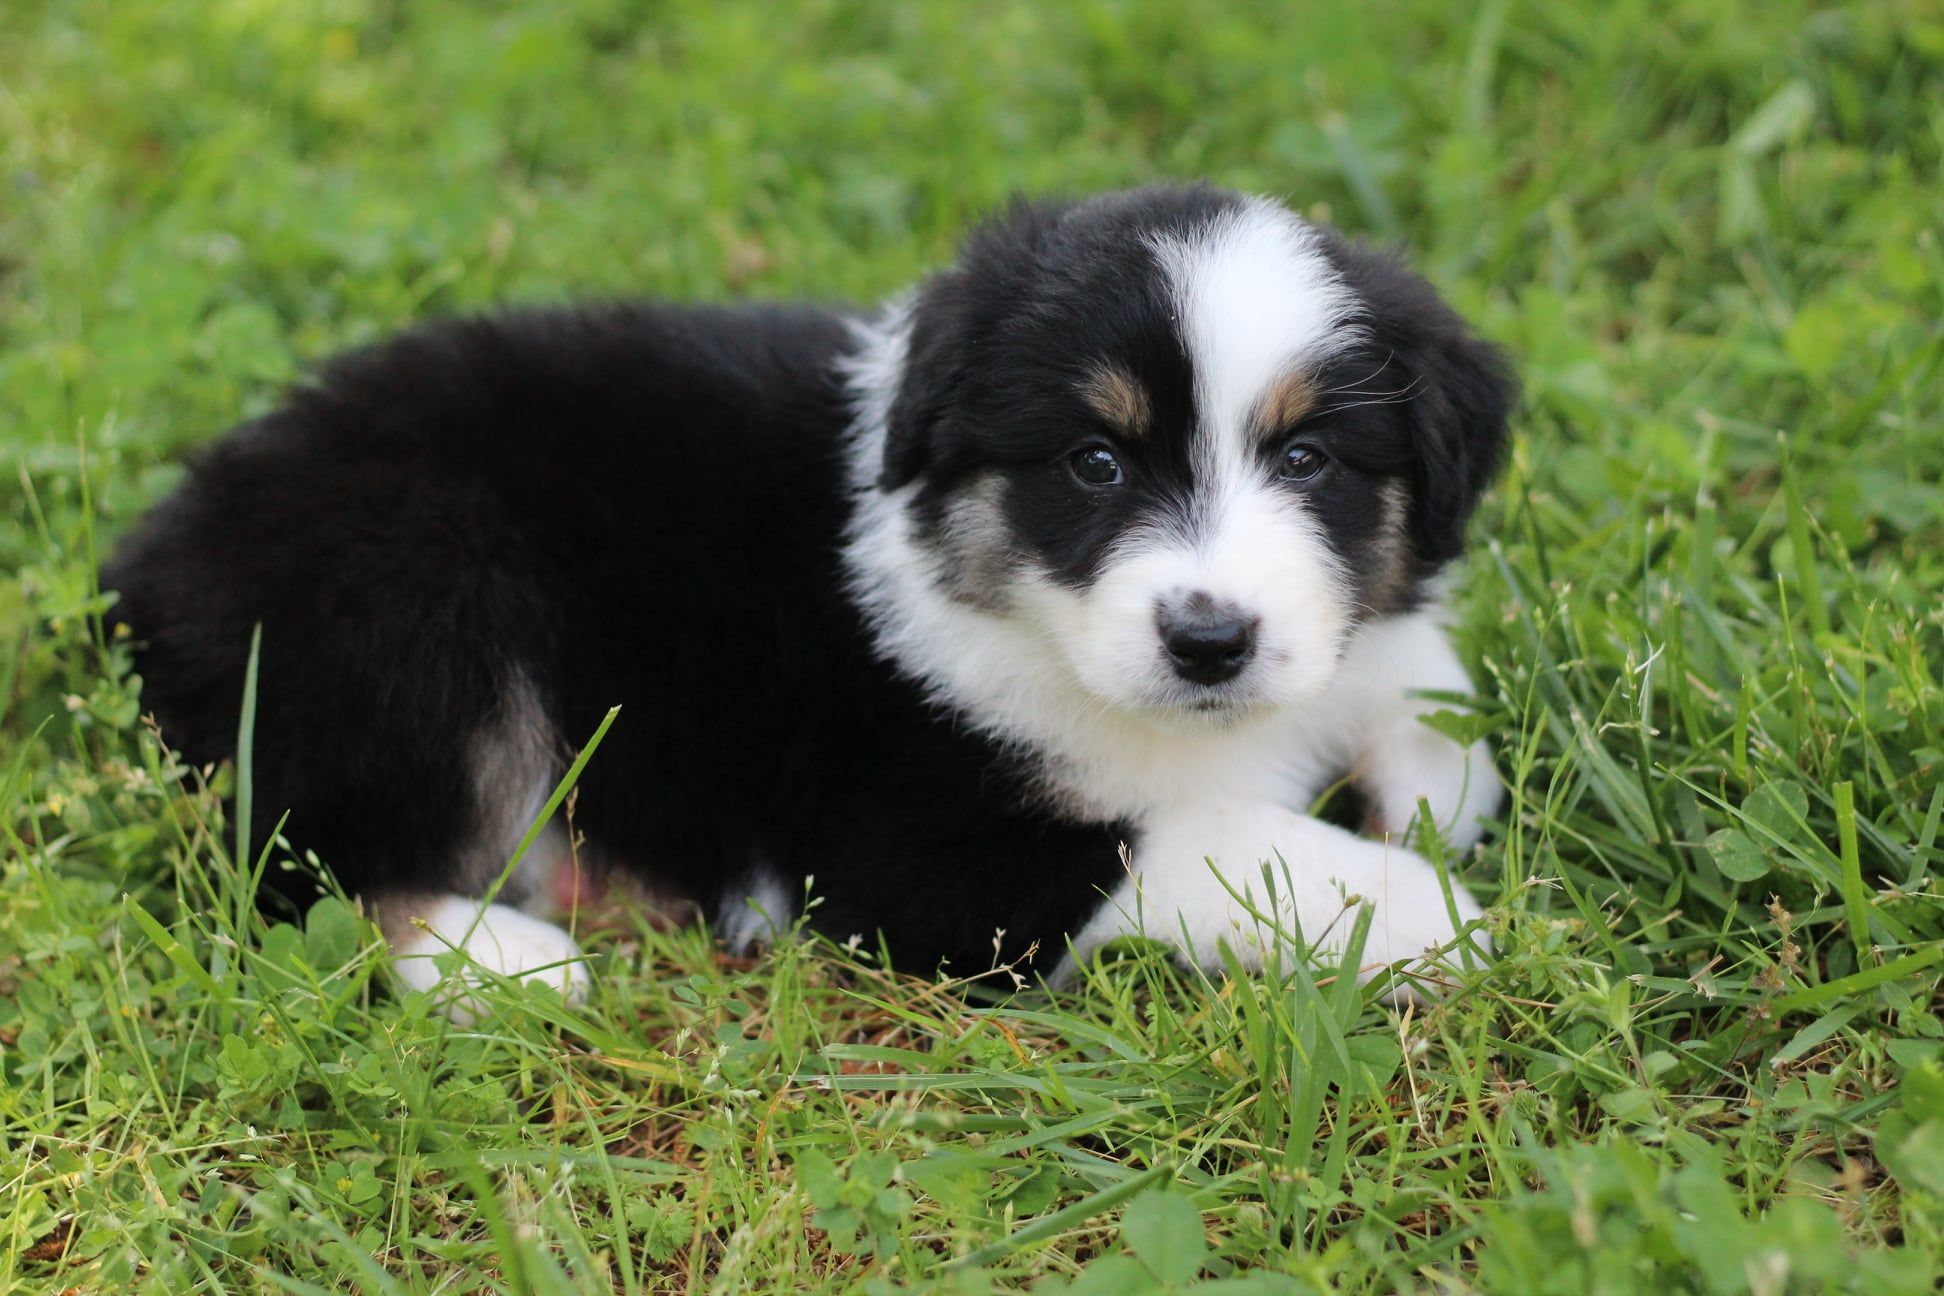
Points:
1707	610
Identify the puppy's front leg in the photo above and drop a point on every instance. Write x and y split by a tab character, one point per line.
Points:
1398	758
1173	892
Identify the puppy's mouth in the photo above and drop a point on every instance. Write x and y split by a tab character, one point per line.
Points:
1208	708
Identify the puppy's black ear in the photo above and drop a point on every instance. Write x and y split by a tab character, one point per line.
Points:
956	313
929	377
1459	415
1461	394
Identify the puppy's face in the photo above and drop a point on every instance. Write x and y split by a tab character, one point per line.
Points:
1188	441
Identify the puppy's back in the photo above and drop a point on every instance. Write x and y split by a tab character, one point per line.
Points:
430	532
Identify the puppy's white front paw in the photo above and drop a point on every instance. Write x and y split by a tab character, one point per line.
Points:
1409	911
1319	872
1459	784
497	938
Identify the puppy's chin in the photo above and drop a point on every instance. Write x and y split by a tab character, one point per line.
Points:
1186	710
1208	716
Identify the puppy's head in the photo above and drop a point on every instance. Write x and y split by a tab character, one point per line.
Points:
1188	440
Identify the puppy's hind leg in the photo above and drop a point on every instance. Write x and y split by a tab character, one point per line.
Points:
513	764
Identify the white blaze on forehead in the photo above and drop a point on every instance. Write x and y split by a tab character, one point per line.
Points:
1256	296
1256	301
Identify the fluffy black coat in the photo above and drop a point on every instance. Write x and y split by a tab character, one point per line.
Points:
639	505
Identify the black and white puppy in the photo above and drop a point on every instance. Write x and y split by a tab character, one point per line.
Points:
1120	532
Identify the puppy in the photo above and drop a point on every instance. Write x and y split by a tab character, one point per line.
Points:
1028	611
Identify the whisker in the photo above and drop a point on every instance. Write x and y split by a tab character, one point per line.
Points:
1368	391
1338	409
1358	382
1399	397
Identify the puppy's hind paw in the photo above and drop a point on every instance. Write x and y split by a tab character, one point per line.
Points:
497	939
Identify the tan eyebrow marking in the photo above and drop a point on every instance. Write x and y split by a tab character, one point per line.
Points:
1116	397
1291	396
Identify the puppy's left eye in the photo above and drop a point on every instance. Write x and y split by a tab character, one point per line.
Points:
1096	466
1301	463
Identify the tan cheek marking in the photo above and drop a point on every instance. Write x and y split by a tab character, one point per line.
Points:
1288	399
1116	397
1391	553
973	540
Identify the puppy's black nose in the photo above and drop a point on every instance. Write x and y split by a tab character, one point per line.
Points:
1209	643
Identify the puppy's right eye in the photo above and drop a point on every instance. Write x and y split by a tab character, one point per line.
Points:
1096	466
